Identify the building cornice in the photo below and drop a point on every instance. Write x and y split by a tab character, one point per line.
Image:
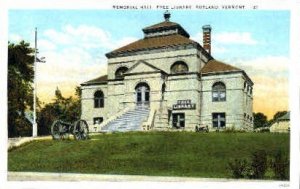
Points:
229	72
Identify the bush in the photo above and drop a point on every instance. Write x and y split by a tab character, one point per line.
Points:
259	164
238	168
254	170
280	166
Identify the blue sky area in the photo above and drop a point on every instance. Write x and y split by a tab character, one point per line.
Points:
74	43
270	29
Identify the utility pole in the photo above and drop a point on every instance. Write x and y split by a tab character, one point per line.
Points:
42	60
34	126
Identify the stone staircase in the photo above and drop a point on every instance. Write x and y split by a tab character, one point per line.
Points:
130	121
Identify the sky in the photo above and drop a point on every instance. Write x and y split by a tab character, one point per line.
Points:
74	43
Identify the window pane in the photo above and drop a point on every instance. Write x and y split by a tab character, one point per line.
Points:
215	123
222	123
146	96
178	120
96	104
139	96
101	101
219	92
218	120
98	120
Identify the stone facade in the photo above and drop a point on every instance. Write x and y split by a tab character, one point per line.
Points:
173	76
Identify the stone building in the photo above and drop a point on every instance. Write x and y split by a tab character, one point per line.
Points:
282	124
166	81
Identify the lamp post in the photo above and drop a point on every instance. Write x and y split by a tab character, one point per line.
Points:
36	59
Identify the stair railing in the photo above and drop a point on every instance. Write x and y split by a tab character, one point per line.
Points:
148	125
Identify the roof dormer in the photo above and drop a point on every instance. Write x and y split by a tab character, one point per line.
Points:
165	28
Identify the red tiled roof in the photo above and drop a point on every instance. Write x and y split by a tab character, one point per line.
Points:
155	42
214	66
101	79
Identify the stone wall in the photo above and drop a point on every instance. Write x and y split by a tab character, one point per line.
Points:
88	111
234	106
121	93
161	60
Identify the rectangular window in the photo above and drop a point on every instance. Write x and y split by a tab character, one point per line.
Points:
98	120
218	120
178	120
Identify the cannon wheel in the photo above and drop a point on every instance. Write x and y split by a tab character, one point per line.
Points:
55	130
81	130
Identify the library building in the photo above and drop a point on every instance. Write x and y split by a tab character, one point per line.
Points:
166	81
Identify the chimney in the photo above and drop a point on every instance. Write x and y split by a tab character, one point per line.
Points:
207	38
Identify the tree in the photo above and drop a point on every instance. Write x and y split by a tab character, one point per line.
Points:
276	116
260	120
65	109
19	83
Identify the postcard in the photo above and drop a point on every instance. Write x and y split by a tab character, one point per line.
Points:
151	94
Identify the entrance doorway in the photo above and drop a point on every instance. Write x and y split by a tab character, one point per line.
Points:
142	94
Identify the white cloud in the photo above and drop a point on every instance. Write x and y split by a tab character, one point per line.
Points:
221	39
58	37
216	47
46	45
15	38
270	77
265	65
73	55
66	69
85	36
243	38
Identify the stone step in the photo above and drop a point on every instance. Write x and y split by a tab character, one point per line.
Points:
129	121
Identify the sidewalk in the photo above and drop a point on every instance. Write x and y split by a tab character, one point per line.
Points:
16	142
35	176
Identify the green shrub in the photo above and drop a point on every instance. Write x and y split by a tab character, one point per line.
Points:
254	170
259	164
238	168
280	166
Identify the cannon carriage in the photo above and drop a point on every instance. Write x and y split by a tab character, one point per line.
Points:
61	130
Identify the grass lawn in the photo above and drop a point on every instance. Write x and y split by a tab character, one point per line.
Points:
146	153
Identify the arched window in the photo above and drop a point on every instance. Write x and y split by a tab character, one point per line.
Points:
98	99
179	67
218	92
120	72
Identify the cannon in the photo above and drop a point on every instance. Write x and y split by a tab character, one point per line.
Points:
201	129
61	130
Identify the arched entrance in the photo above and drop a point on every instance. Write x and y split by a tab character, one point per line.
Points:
142	94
